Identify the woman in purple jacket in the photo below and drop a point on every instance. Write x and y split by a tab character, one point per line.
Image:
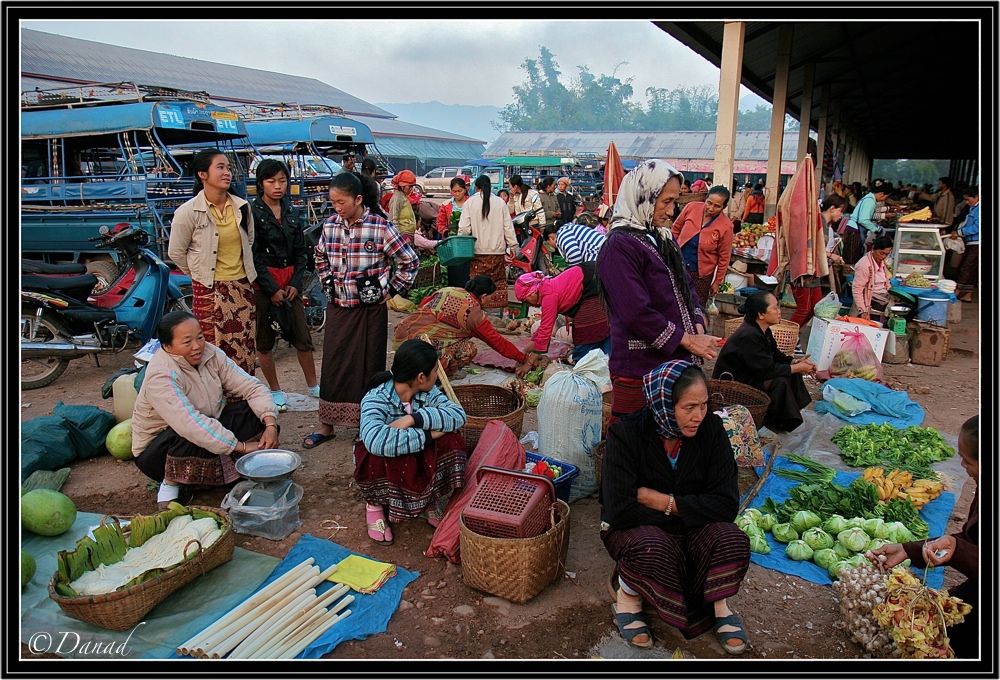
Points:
654	312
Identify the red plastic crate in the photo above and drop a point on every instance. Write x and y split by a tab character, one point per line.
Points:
510	504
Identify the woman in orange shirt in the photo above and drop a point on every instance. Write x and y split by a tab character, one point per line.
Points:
705	235
754	211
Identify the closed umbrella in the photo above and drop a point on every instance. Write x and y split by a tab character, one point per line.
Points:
614	173
799	242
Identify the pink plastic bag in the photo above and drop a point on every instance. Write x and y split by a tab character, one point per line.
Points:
856	359
498	446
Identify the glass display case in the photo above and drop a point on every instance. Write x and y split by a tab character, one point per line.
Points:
918	249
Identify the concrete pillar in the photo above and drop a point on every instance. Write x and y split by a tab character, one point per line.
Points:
777	120
835	136
804	119
730	75
822	130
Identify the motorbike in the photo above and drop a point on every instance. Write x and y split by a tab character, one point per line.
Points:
529	256
64	318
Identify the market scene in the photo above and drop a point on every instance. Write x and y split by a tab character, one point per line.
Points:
303	380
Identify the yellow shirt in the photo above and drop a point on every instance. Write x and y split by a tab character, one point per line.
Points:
229	259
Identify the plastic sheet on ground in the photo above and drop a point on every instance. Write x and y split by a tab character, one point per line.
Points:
301	402
888	405
935	513
493	359
45	628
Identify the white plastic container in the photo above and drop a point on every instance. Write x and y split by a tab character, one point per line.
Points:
124	394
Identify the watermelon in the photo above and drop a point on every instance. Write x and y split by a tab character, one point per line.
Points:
27	568
47	512
119	440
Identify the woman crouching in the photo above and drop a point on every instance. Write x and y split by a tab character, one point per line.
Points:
183	431
669	497
410	456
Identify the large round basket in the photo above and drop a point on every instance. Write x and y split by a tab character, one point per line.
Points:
123	609
516	569
724	391
483	403
785	332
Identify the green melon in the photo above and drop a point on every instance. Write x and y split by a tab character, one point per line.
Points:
27	568
119	440
47	512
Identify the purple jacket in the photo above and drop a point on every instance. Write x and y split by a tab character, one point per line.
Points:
647	313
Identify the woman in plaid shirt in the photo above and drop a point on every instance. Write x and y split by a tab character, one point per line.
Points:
363	260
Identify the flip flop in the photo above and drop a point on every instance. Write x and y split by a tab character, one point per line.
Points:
731	620
280	403
313	440
622	619
378	530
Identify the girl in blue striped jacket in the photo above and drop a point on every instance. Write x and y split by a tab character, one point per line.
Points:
410	456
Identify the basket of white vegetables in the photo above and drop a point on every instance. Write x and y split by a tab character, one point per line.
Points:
116	576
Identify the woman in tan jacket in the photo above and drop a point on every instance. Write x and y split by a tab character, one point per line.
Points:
183	431
210	240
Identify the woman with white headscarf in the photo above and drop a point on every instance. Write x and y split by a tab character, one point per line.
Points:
654	312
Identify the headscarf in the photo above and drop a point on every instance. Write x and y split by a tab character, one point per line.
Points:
404	176
658	388
527	284
638	193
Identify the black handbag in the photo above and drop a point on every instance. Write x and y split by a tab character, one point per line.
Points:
369	289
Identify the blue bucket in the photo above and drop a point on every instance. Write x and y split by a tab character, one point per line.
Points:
933	309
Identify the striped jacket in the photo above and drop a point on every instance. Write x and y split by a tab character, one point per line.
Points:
578	243
381	406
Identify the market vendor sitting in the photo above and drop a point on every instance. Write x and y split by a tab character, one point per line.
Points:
183	431
871	283
752	357
452	317
669	499
573	293
410	456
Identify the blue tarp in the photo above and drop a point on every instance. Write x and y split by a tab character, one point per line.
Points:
935	513
888	405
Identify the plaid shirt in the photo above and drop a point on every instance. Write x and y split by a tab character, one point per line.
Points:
364	248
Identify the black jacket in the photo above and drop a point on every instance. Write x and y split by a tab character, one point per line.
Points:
278	245
752	356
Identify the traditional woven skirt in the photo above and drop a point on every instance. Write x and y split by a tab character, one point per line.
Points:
626	396
703	288
412	485
682	572
354	347
455	347
590	325
968	270
495	267
228	317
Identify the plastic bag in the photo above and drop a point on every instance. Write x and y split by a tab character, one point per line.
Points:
828	307
93	426
47	443
845	403
856	359
712	309
398	303
955	244
274	522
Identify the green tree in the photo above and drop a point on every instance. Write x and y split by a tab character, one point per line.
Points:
685	108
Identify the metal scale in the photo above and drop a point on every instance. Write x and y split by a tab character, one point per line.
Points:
271	469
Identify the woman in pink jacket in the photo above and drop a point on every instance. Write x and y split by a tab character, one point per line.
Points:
705	235
871	282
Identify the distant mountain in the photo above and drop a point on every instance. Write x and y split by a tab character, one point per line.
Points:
752	101
470	121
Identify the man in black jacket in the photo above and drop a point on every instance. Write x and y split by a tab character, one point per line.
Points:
280	255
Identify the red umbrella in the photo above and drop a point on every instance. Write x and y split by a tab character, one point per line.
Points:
614	173
799	245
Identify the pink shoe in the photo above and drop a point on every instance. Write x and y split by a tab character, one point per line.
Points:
378	527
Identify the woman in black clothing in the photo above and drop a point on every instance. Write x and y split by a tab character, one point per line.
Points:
752	357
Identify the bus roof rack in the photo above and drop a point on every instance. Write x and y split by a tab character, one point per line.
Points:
106	93
285	110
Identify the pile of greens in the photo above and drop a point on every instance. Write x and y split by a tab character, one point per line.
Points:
913	449
417	295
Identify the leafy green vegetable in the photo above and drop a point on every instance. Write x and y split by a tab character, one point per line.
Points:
914	449
817	539
798	550
759	544
817	472
417	295
804	520
784	533
825	557
854	540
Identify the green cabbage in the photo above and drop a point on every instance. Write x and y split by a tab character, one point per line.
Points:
834	525
824	557
759	544
784	532
834	569
841	550
798	550
817	538
856	522
767	522
751	530
805	519
881	531
754	514
745	523
875	544
898	533
873	525
858	560
854	540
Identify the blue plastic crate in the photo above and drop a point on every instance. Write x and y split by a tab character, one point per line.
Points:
563	482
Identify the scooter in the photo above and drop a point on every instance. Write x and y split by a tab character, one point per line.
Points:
62	319
529	256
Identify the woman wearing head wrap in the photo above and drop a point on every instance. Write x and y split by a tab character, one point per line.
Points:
400	209
574	293
655	315
669	498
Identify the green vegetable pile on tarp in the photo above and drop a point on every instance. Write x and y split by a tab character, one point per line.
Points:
914	449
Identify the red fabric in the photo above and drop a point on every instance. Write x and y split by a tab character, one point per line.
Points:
799	241
499	447
715	242
488	333
444	217
805	301
614	173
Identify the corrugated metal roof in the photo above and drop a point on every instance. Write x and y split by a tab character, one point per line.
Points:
695	145
423	149
395	127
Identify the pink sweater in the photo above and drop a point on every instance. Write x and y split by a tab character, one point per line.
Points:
557	295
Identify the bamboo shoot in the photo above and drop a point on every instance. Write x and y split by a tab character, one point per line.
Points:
293	625
308	639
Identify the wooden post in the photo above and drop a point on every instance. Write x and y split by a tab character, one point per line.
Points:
729	93
777	120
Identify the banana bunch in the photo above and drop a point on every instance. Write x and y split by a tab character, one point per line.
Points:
920	215
867	372
922	492
890	485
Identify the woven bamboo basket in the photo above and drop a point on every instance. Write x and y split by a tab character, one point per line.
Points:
428	276
516	569
598	461
785	332
727	392
483	403
123	609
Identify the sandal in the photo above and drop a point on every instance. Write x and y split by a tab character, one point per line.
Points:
731	620
622	619
280	404
378	528
313	440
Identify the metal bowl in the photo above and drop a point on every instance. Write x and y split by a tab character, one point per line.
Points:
268	465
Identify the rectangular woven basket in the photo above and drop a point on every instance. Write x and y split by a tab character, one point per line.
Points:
516	569
123	609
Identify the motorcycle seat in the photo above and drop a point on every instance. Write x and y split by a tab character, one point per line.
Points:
39	267
84	282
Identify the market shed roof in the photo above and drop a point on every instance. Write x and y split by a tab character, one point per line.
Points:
909	87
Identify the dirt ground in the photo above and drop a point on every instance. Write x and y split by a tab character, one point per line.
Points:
440	617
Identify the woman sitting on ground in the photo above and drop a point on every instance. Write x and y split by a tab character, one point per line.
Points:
669	498
183	431
451	317
752	356
410	456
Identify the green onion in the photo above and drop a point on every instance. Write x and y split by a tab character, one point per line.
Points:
817	472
